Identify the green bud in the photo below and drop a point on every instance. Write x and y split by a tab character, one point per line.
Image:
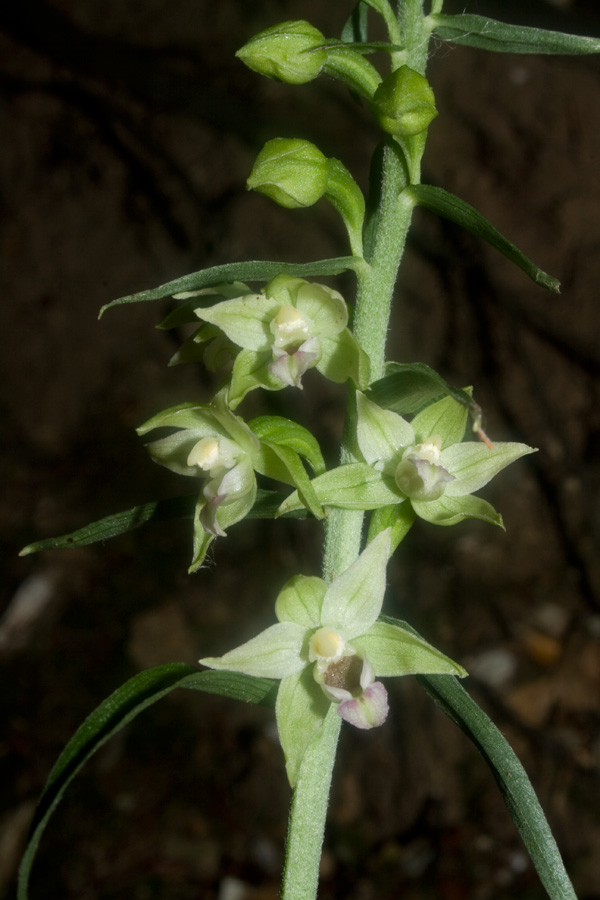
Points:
291	172
403	103
287	51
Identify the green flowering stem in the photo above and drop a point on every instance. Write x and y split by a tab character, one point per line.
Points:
308	813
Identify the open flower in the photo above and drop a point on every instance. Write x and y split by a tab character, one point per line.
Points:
209	442
422	468
329	647
288	328
429	462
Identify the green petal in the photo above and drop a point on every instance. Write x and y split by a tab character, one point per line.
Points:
172	451
325	308
393	651
300	710
245	321
353	486
452	510
300	601
354	600
447	417
474	464
274	653
381	434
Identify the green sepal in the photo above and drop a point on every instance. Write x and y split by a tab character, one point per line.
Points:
113	714
489	34
252	270
393	650
353	486
300	709
447	417
452	510
283	431
189	301
251	371
451	207
399	517
195	416
408	387
474	465
293	471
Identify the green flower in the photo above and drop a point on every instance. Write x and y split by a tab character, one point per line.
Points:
288	328
422	468
210	443
328	647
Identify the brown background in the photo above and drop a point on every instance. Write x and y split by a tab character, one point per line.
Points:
128	130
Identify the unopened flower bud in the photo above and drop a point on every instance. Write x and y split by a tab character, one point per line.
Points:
291	52
292	172
403	103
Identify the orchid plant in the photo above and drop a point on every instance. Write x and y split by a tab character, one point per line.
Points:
405	452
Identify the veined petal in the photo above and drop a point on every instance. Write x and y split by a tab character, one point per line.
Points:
300	601
274	653
244	320
300	710
354	600
381	433
393	651
474	464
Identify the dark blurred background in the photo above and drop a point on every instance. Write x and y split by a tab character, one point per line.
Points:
128	129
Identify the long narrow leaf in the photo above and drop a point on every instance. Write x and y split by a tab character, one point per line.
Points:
451	207
253	270
489	34
407	387
266	507
114	713
514	784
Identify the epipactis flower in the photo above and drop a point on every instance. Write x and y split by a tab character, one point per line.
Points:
329	647
421	468
209	442
288	328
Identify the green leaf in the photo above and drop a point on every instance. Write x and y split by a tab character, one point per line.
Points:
253	270
113	714
279	430
523	805
355	28
451	207
190	301
353	486
118	523
408	387
300	709
488	34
